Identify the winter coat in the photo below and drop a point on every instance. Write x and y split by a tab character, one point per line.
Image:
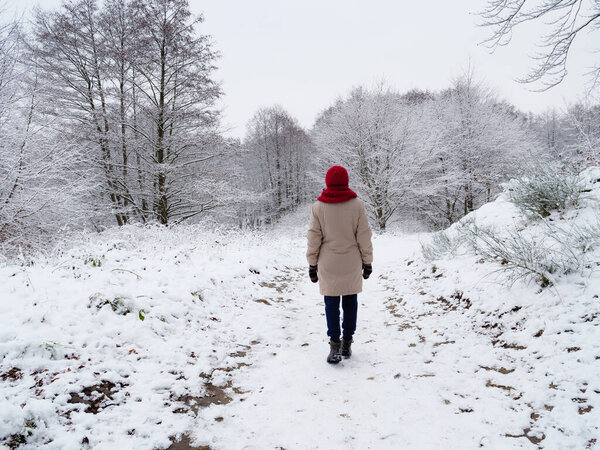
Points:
339	242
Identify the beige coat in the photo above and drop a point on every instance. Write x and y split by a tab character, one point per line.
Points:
339	241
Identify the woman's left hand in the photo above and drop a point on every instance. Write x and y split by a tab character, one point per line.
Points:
312	273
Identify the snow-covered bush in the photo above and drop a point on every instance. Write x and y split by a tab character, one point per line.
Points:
440	245
119	305
520	257
544	189
445	242
541	249
582	238
539	257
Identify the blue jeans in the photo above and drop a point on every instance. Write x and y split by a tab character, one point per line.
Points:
332	312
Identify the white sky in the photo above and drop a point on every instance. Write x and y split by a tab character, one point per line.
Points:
304	54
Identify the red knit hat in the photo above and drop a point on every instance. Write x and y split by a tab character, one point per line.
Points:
337	190
336	176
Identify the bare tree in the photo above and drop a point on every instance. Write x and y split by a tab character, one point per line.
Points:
581	128
549	126
175	64
567	19
132	80
67	46
372	133
276	150
479	141
40	186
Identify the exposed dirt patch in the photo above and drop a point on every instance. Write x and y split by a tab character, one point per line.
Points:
236	367
530	437
271	286
214	395
510	345
13	374
185	443
280	283
499	386
238	354
238	390
501	370
263	301
16	440
97	397
456	300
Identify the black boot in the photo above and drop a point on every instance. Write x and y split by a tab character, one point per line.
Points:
334	353
345	349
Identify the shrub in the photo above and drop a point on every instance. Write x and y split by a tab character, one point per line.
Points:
581	238
560	251
443	243
117	304
440	245
520	257
543	190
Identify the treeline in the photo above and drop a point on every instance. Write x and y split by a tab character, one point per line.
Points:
425	157
108	116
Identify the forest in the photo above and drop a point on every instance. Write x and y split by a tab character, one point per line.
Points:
109	116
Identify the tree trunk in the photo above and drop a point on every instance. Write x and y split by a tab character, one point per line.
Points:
161	205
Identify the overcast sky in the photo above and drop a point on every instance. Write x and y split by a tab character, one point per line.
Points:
304	54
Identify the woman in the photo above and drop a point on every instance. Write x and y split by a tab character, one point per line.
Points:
339	251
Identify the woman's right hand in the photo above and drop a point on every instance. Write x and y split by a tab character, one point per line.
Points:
367	270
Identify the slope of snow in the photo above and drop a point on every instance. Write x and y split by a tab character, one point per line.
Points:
231	349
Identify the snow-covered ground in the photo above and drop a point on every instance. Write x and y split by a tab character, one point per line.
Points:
151	338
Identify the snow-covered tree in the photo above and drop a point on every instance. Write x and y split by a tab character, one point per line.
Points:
68	46
132	80
40	185
437	156
582	127
276	160
572	136
175	64
549	125
479	143
374	134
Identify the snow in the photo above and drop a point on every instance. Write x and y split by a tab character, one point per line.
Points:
231	351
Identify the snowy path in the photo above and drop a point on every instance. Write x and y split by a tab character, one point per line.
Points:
390	394
295	399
